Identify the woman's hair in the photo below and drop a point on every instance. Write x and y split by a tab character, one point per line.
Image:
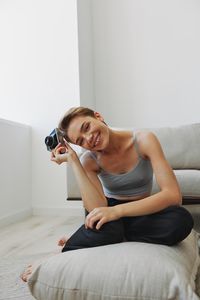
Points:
70	115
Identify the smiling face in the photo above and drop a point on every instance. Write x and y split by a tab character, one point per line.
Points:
89	132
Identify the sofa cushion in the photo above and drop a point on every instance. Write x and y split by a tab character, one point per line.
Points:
189	182
128	270
181	145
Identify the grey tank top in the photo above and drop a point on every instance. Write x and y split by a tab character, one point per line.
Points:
136	182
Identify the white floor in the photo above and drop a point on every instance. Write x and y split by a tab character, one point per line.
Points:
36	235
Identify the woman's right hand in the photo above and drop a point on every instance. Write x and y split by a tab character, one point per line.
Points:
63	153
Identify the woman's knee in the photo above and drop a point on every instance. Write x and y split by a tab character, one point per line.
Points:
180	226
110	233
183	219
113	230
168	227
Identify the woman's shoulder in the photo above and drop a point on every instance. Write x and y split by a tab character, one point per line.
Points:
139	134
143	135
146	141
89	161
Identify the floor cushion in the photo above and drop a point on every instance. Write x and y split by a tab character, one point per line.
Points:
128	270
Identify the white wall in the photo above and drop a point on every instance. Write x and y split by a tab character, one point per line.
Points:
39	81
86	53
141	68
146	61
15	171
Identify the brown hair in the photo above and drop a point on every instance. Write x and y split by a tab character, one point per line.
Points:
70	115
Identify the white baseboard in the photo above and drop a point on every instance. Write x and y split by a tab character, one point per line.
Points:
15	217
58	211
69	210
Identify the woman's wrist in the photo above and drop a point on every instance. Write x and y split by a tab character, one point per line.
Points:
73	158
118	211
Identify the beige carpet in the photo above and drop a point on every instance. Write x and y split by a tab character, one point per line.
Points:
11	285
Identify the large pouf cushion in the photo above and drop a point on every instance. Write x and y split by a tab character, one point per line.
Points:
129	270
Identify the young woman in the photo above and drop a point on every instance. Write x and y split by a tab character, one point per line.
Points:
115	180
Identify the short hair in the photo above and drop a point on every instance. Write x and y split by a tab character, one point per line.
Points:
71	114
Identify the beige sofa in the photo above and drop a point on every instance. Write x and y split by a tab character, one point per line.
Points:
181	146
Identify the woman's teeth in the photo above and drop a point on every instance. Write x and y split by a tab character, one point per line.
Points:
97	140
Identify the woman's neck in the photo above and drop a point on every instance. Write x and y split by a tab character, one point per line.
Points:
117	142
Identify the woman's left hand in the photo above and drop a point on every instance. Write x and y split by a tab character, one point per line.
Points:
102	215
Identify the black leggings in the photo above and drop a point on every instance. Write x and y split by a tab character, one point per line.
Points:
167	227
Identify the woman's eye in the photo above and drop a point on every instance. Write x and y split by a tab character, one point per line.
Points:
87	126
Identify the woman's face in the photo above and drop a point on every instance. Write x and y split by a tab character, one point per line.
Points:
89	132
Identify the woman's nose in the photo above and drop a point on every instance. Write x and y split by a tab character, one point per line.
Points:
89	138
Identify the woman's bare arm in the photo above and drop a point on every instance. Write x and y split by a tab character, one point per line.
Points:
88	182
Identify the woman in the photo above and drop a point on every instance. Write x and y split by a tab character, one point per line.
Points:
115	179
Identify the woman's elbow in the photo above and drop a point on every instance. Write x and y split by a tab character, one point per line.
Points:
175	197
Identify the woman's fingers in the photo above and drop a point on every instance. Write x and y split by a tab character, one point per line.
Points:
91	218
100	215
90	222
59	154
67	144
62	153
53	151
52	155
61	150
57	147
100	223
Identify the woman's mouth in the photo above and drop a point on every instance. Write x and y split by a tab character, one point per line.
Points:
97	140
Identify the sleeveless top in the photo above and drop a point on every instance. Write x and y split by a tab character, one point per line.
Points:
136	182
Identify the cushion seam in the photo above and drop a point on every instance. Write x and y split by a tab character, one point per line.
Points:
94	293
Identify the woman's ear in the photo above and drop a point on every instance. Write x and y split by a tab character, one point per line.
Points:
98	116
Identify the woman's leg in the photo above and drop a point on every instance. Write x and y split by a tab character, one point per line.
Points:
168	227
110	233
